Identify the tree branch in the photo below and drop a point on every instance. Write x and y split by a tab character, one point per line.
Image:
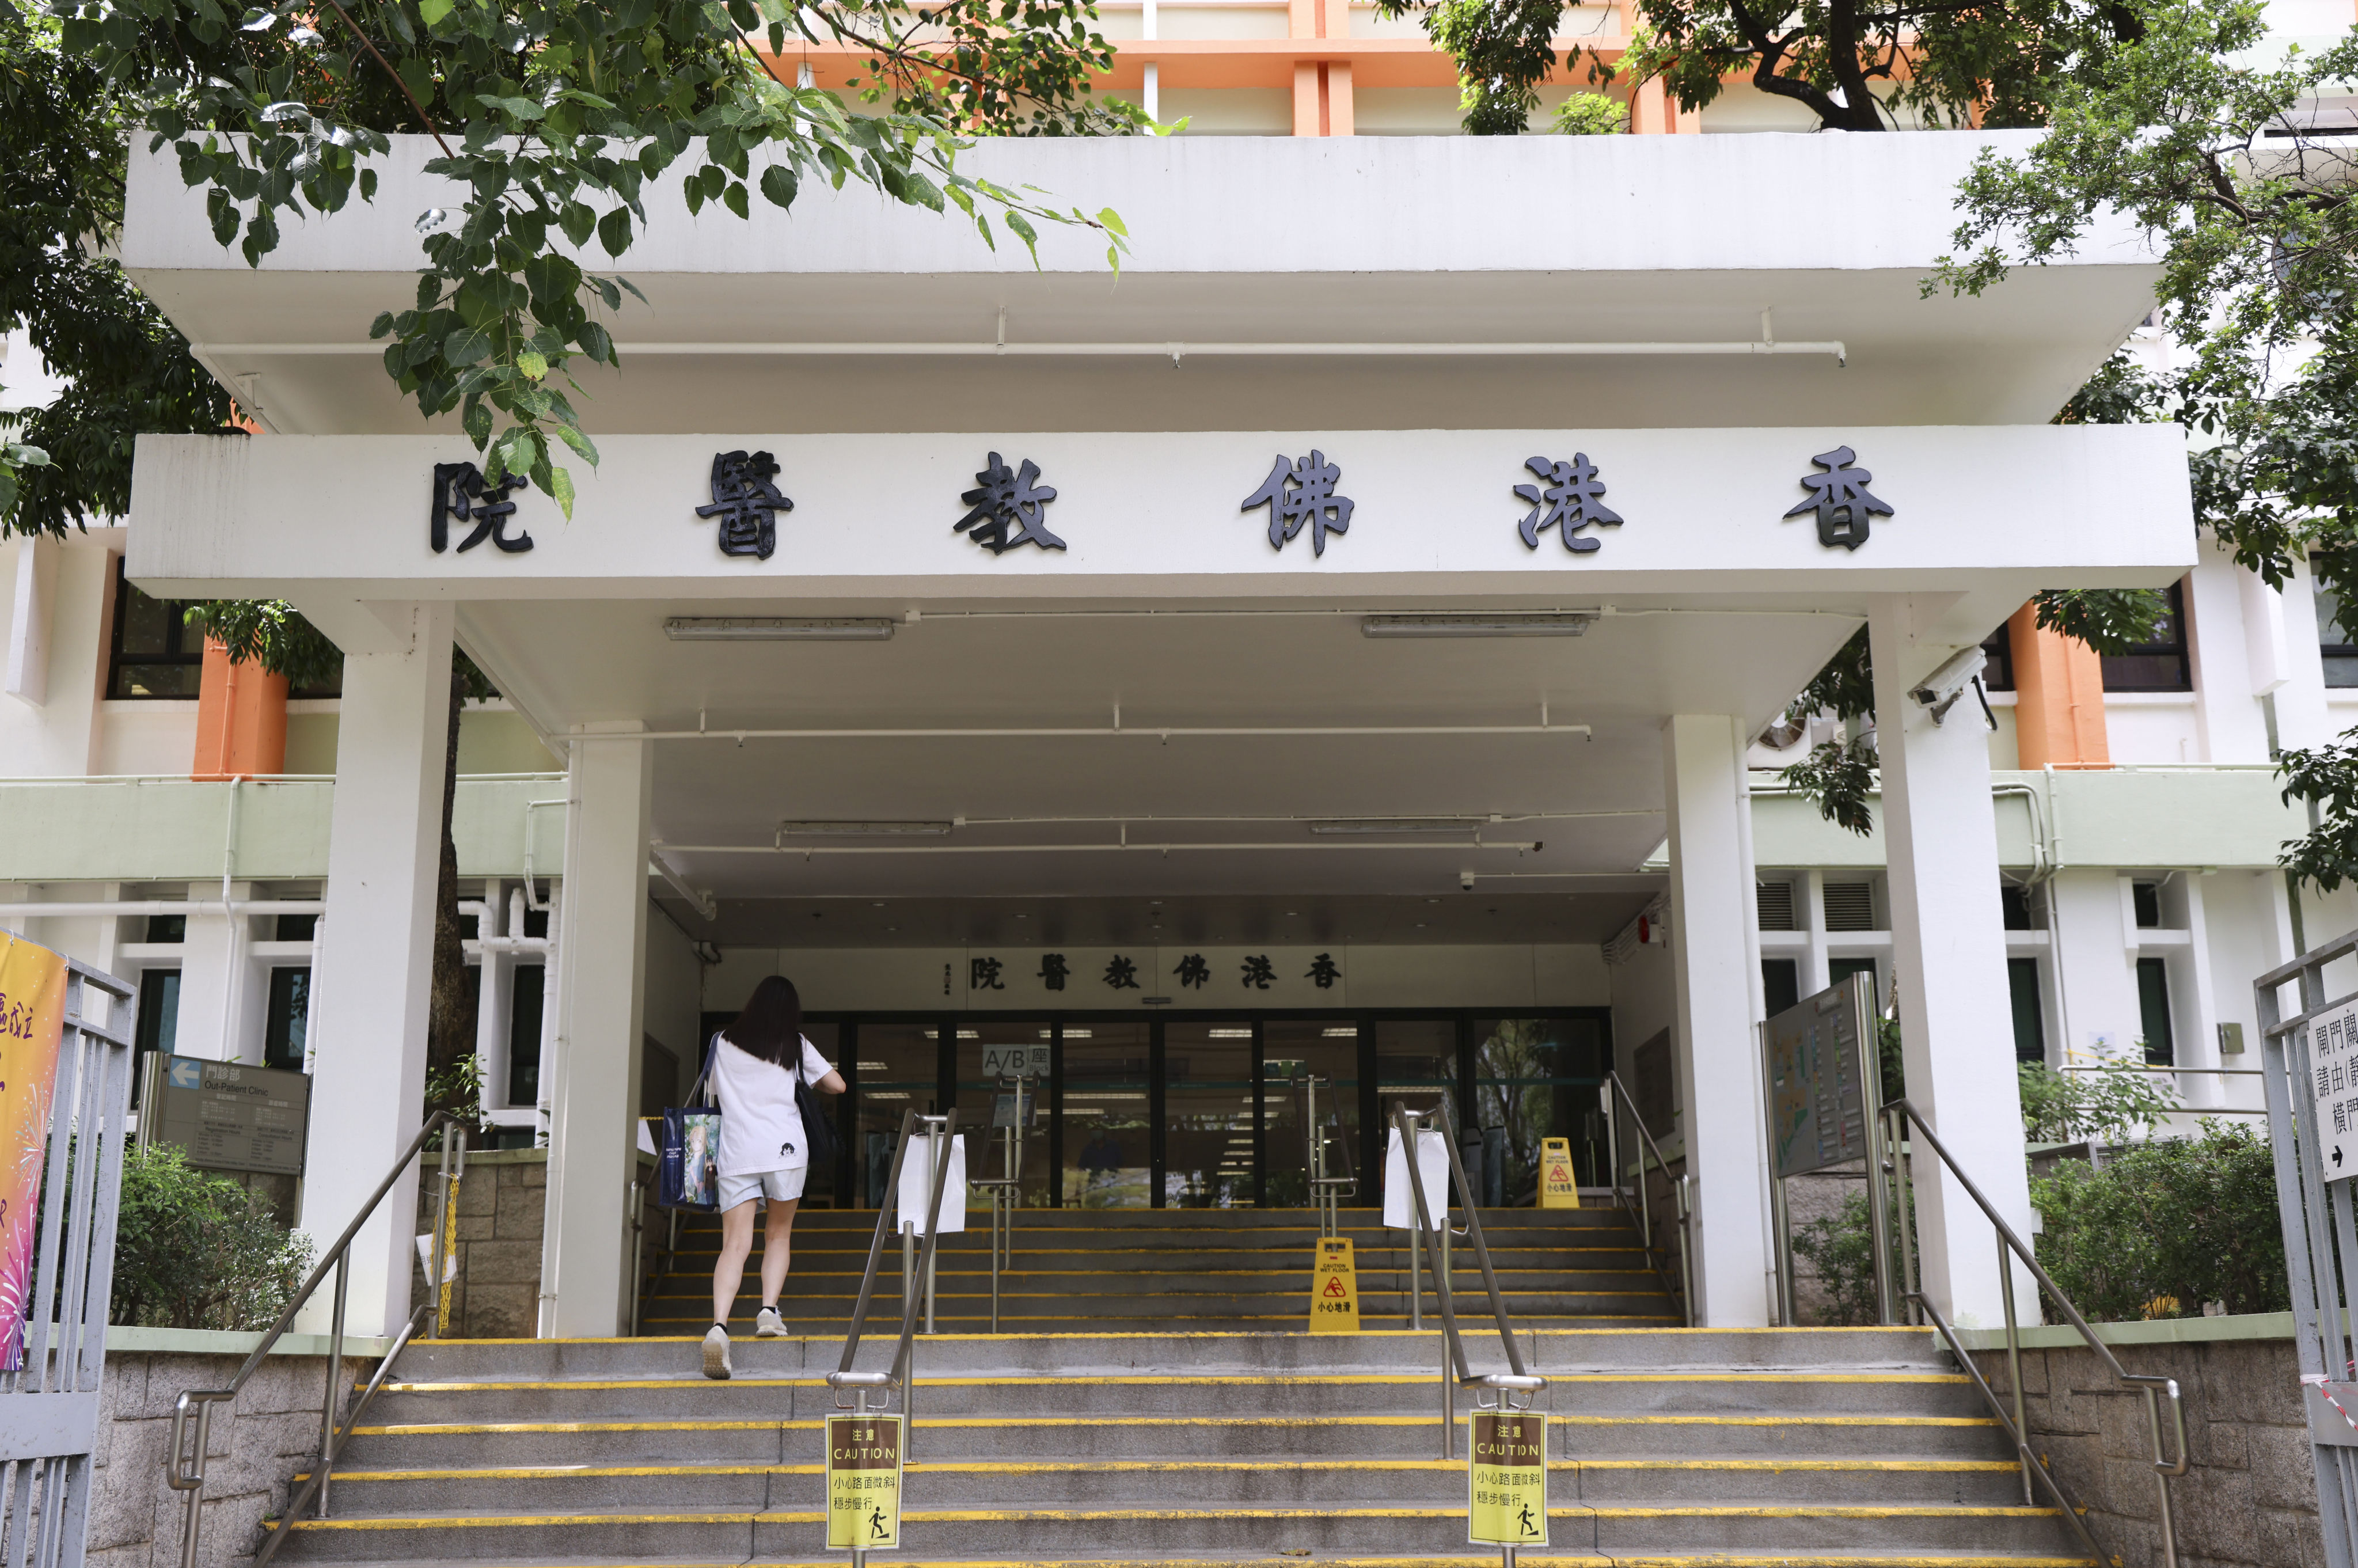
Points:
422	117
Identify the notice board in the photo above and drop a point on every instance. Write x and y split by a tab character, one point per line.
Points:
1822	1094
231	1117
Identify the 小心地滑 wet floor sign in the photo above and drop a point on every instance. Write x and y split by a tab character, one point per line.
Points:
1334	1288
1559	1183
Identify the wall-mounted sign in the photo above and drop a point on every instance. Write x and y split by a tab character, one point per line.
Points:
462	496
230	1116
1841	499
1820	1097
1568	499
746	502
2333	1063
1506	1476
1016	1061
1299	493
1003	499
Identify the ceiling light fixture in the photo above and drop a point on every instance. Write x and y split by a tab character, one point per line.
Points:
1341	827
1487	623
864	829
777	629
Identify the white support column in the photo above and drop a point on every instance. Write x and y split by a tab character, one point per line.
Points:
1948	942
368	1082
1719	1066
1817	964
601	1000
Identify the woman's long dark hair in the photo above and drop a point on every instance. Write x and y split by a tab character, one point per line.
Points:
771	1027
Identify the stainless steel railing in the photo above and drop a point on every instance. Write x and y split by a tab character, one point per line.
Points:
915	1280
1639	1204
1500	1388
184	1468
1006	1191
1899	1115
1326	1192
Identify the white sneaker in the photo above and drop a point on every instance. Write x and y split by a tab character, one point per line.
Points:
716	1352
768	1324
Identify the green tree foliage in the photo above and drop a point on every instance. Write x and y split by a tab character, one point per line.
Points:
556	123
1590	115
1839	776
63	127
2106	1106
1982	62
197	1250
272	634
2165	1225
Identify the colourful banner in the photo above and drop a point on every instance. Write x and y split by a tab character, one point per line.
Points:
32	1018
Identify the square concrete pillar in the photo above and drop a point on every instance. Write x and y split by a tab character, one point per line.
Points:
1948	951
1718	969
373	967
600	927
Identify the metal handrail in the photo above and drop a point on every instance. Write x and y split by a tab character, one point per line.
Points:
1006	1197
1643	1209
1505	1386
1325	1192
185	1471
1900	1113
863	1384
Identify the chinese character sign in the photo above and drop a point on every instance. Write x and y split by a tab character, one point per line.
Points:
2333	1063
1841	499
1568	498
1507	1479
32	1019
1299	493
863	1481
746	502
1004	499
461	495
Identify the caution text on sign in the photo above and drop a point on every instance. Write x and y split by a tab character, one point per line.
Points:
1559	1183
1507	1479
1335	1289
863	1481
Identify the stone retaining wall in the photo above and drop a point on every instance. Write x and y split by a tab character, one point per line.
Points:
256	1445
2250	1500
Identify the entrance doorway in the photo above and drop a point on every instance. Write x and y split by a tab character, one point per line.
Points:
1215	1110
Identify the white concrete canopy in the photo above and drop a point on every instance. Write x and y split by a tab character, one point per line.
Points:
1372	240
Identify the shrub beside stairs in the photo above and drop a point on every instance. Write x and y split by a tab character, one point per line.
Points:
1158	1445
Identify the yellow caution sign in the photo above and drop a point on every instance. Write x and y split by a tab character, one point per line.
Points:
1335	1289
1559	1186
863	1482
1507	1479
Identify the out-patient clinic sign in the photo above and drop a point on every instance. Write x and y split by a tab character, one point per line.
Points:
32	1019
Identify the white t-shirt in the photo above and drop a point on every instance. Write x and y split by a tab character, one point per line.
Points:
761	1130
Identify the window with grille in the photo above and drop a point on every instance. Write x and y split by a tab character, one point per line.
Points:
155	652
2161	665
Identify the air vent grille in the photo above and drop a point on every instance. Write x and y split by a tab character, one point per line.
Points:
1776	904
1850	906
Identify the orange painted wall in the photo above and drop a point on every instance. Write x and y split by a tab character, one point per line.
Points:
2058	698
241	720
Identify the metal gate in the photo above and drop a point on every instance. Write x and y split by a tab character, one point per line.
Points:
2309	1065
48	1411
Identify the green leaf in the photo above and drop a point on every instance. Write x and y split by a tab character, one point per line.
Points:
465	346
434	11
734	198
381	326
1112	219
614	231
534	366
779	185
559	486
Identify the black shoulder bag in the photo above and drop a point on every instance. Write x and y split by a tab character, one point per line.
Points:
819	1120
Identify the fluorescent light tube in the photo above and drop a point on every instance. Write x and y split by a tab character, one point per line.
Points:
777	629
864	829
1351	825
1503	623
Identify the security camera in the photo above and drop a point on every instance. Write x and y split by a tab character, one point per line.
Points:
1466	881
1940	690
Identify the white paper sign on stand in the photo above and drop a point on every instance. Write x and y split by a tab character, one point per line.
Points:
1432	1164
917	1186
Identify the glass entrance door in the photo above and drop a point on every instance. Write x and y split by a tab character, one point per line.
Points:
1104	1140
1209	1144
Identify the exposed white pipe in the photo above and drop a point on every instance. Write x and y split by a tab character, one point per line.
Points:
1164	732
1175	351
129	906
701	902
1457	846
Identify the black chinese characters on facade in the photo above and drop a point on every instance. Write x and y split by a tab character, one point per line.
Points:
460	495
1841	499
1005	498
746	502
1302	492
1568	498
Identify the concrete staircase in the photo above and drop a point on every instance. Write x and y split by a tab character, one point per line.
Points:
1083	1270
1672	1448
